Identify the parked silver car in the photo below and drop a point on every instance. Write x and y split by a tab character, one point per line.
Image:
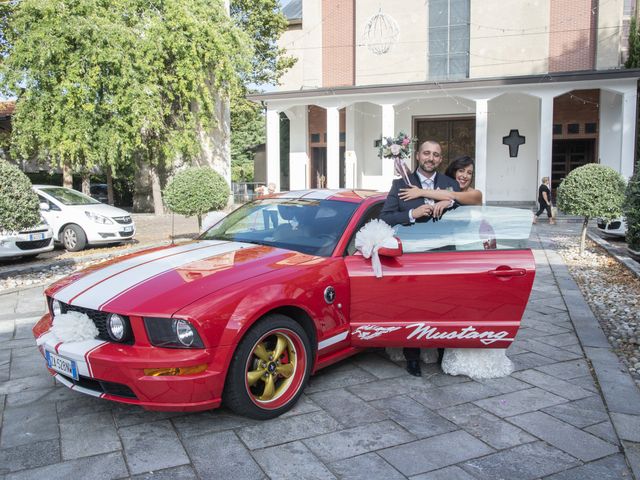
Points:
614	228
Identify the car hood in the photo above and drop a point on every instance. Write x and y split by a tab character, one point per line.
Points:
159	282
101	209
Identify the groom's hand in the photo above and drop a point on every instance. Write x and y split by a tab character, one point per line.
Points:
422	211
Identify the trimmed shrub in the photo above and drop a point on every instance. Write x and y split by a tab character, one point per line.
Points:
631	210
592	191
19	206
196	191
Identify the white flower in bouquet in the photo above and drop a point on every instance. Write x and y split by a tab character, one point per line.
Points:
395	149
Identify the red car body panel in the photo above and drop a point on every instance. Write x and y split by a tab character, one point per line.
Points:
223	288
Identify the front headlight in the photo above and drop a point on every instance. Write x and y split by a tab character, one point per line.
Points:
94	217
116	327
172	333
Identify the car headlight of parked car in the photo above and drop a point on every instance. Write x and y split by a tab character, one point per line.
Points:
56	307
172	333
98	218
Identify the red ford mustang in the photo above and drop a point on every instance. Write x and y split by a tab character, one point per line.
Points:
277	290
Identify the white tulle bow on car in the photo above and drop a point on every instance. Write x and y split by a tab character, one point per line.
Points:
73	327
373	236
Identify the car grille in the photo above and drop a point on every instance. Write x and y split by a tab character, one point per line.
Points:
99	319
614	225
33	244
125	234
123	220
602	224
35	230
102	386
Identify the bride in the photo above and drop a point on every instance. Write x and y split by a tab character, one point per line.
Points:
473	362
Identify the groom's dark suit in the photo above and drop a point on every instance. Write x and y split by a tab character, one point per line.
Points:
396	211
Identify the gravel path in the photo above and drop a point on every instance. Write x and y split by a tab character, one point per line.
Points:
613	294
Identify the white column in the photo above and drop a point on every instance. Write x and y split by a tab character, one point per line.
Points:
273	148
545	138
480	173
298	147
628	133
333	147
388	130
350	159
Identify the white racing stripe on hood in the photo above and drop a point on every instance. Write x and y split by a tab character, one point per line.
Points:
67	293
117	285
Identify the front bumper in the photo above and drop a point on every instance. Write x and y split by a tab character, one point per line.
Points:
25	244
116	372
110	233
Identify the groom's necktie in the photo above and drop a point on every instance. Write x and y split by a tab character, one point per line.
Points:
427	184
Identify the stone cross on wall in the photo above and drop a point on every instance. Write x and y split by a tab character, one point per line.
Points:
514	140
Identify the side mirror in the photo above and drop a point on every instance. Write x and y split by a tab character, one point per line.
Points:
44	206
391	251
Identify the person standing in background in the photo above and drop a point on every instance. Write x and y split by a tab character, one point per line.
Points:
544	200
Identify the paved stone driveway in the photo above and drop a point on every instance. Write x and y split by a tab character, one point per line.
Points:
364	418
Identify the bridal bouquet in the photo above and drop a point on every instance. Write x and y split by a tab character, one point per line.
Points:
398	148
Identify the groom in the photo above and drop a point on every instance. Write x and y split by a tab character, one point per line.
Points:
396	211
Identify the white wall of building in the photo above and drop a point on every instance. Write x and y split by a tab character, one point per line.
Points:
509	38
407	59
512	179
609	27
298	147
306	45
610	135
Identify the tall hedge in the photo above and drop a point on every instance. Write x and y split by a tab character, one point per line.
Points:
196	191
631	210
592	191
19	206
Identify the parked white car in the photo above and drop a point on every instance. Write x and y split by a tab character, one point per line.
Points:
78	220
614	228
26	243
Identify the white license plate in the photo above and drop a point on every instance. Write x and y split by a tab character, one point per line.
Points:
62	365
127	229
36	236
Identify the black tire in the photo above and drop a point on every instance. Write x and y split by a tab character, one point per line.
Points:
73	238
253	396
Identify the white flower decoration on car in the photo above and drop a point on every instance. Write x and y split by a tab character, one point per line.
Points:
373	236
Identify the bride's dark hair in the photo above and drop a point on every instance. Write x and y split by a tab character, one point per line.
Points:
457	164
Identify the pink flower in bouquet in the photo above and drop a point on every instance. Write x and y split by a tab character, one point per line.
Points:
406	141
395	149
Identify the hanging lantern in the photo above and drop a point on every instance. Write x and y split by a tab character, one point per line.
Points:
380	33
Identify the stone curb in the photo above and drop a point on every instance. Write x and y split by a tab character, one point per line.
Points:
620	393
625	260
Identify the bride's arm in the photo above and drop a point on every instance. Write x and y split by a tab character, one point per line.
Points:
470	197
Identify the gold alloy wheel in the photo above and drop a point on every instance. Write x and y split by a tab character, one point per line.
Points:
271	367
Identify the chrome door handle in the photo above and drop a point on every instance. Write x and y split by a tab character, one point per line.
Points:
508	272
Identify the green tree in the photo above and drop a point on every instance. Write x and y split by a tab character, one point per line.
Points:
263	21
592	191
248	129
633	58
19	207
196	191
631	210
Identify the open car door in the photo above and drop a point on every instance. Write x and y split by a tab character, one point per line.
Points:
461	282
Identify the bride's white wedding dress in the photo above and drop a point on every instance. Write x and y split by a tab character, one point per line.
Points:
477	362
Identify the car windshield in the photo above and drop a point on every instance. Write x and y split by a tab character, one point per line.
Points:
66	196
304	225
